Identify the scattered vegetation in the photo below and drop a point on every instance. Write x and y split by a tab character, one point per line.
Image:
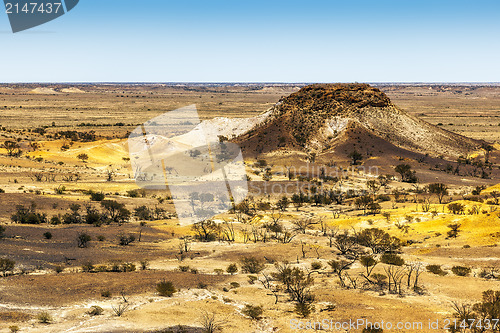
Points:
252	265
6	265
165	288
44	318
436	269
460	270
254	312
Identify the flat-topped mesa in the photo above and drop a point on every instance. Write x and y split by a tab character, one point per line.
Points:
330	96
319	116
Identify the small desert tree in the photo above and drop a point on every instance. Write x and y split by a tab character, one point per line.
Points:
495	195
282	204
110	175
363	202
254	312
304	309
456	208
115	211
345	244
392	259
369	263
378	240
355	157
297	201
206	231
339	267
298	285
439	189
44	318
6	265
302	224
407	175
373	186
83	239
251	265
97	196
454	230
125	240
83	157
13	148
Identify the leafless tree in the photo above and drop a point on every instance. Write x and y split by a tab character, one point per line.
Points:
286	236
268	283
275	216
51	177
70	177
245	234
184	245
414	269
303	224
316	249
210	322
240	216
426	204
13	148
228	232
37	176
353	281
255	234
463	312
331	234
303	249
323	225
120	309
395	276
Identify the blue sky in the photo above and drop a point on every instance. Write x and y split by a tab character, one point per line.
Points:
259	41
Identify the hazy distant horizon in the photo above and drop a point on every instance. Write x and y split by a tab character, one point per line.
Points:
243	83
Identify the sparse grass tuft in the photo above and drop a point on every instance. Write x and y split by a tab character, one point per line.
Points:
44	318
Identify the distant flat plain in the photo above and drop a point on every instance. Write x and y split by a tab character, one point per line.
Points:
470	110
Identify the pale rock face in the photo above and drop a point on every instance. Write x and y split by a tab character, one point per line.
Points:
337	125
333	128
228	127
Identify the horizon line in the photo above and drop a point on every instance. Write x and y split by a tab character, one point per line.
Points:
251	82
